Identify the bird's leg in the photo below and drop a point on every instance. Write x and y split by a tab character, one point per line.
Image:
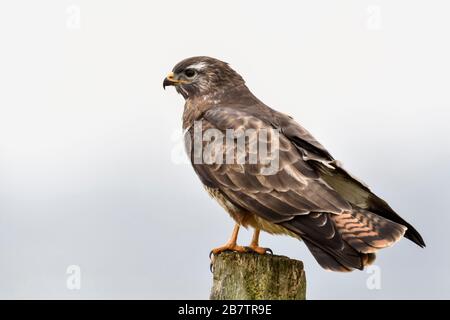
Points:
231	244
254	245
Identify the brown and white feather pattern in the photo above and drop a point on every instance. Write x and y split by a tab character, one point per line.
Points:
310	196
295	200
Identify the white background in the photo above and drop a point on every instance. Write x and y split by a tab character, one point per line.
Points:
90	168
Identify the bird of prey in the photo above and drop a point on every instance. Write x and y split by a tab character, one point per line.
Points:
307	195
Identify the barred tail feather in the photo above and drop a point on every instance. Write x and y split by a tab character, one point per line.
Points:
347	241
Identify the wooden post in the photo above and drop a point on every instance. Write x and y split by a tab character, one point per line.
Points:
250	276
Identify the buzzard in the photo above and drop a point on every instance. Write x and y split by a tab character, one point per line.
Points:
307	194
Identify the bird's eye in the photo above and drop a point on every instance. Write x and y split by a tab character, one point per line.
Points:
190	73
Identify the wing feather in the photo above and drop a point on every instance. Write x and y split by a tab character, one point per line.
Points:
294	188
308	193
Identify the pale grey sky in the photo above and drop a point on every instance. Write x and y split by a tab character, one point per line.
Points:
90	173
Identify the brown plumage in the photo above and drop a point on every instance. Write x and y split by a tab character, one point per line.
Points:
309	196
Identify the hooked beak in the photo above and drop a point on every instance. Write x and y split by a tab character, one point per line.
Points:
171	81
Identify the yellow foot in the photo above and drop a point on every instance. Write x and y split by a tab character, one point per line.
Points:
227	247
258	249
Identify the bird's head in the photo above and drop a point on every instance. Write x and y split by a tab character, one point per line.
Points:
198	76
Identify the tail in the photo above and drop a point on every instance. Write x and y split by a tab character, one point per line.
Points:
356	192
347	241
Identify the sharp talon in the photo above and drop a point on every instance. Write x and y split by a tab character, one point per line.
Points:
226	248
259	250
210	254
211	267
